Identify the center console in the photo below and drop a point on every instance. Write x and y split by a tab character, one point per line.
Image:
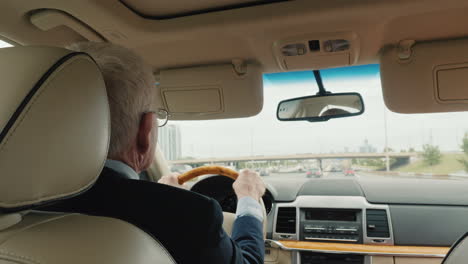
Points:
332	219
333	225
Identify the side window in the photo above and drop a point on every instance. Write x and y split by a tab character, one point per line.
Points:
4	44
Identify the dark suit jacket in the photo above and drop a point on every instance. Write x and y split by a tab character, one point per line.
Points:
188	224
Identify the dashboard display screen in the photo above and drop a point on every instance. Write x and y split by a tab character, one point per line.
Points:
330	215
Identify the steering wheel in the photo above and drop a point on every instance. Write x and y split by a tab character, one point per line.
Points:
228	217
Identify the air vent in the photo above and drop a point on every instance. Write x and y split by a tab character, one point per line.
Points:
377	223
286	220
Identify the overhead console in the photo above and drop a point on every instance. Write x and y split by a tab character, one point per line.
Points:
425	77
317	51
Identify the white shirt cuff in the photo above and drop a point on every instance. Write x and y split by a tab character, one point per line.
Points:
249	206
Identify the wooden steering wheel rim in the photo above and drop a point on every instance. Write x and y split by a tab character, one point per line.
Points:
187	176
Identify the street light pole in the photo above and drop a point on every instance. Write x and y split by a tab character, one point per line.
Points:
251	142
387	158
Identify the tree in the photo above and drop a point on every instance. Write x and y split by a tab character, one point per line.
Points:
431	154
411	149
464	147
388	149
464	162
375	162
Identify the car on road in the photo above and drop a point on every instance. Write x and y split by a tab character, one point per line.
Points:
313	173
334	169
348	172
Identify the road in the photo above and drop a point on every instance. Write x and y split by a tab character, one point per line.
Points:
303	175
366	174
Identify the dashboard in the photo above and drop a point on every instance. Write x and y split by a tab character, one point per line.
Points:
355	220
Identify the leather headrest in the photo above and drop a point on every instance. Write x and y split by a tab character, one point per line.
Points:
54	125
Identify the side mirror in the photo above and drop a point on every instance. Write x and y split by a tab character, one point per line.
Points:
318	108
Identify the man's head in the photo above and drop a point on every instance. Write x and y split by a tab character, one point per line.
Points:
131	90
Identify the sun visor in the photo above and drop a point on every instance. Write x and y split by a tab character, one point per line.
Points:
212	92
426	77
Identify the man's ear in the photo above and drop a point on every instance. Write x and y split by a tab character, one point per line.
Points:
144	140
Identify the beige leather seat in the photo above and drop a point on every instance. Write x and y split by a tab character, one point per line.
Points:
54	134
458	254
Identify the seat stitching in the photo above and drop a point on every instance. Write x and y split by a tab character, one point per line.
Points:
22	257
36	97
22	229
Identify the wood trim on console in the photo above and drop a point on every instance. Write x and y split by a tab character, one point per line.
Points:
364	249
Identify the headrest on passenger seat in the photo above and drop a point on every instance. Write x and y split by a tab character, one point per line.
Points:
54	125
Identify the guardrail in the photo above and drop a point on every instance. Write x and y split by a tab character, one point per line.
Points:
297	157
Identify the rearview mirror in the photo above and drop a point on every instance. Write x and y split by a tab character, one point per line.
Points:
320	107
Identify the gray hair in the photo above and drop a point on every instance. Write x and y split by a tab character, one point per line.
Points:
130	88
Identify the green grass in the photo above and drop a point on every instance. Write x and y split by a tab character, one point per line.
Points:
448	164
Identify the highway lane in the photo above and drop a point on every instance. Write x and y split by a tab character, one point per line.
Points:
367	174
303	175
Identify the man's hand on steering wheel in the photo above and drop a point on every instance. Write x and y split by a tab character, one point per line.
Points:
247	184
250	184
172	180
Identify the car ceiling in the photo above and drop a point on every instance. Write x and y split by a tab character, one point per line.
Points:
210	32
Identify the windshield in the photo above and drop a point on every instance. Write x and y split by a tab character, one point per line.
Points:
378	141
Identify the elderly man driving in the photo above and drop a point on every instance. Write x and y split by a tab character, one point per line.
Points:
189	225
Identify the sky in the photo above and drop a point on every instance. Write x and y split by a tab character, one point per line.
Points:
265	135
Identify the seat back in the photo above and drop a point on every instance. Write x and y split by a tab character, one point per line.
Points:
75	238
458	254
54	137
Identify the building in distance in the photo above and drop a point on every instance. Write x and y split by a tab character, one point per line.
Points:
367	148
169	141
